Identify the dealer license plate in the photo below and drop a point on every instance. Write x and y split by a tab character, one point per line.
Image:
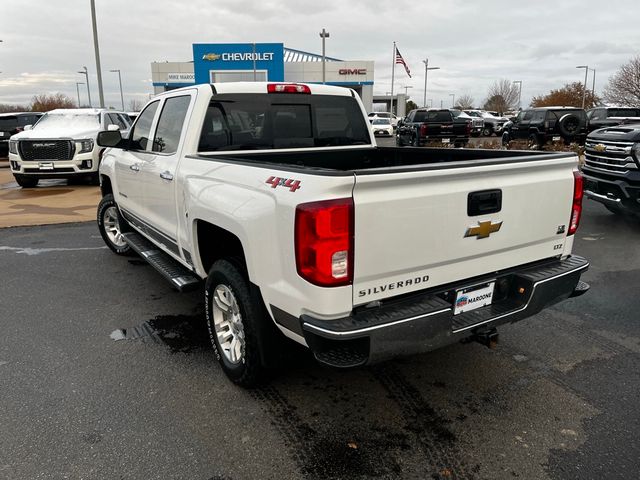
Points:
46	165
445	140
471	298
1	134
556	139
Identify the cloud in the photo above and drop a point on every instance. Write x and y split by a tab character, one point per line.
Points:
473	43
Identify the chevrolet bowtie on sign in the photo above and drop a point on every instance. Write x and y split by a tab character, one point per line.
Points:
483	230
210	56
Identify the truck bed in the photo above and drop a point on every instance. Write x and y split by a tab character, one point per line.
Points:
379	159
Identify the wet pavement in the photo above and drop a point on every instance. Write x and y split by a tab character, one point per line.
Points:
52	201
105	372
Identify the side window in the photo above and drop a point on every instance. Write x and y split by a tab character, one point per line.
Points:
114	119
528	115
170	124
520	117
140	132
538	116
124	119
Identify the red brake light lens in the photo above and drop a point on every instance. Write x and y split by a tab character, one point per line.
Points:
287	88
576	209
324	242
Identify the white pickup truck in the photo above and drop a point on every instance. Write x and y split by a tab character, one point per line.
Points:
62	145
277	196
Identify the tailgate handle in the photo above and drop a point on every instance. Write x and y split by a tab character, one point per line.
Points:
484	202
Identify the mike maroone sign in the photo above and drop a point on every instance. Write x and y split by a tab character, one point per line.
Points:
352	71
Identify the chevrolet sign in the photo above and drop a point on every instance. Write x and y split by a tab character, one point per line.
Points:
239	57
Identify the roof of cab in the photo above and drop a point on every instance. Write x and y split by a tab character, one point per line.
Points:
261	87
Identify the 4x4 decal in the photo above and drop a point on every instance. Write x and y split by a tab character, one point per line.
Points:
290	183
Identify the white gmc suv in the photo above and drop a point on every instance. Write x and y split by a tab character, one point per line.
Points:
62	145
276	196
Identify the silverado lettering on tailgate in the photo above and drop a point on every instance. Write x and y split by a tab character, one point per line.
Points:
393	286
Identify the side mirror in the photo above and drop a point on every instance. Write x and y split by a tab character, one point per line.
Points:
27	127
110	138
111	127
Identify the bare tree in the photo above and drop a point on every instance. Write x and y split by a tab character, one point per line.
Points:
7	108
135	105
465	102
624	86
502	96
46	102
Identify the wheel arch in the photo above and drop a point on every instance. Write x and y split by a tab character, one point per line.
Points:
214	242
105	185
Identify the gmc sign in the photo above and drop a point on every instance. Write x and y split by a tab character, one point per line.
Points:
352	71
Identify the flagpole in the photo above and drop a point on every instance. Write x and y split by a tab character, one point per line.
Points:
393	73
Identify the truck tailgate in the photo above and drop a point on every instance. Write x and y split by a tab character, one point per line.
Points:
410	227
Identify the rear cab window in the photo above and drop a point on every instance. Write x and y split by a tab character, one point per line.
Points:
433	116
257	121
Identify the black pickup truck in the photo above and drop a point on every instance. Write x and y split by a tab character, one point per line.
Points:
422	126
612	168
601	117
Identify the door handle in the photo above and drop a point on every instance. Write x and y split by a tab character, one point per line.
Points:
166	175
135	167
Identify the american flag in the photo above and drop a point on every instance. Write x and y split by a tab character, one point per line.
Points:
400	60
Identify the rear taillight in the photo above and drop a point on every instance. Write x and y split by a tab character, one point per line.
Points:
287	88
576	208
324	242
424	128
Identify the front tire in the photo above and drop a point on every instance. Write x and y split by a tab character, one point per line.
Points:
487	131
233	319
26	181
112	226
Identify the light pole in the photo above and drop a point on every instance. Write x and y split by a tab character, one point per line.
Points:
453	100
86	74
593	87
519	82
426	72
584	92
405	89
119	80
78	91
430	102
323	35
97	49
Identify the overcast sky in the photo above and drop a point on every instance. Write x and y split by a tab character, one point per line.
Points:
45	42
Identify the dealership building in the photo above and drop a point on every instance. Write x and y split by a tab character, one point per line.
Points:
273	62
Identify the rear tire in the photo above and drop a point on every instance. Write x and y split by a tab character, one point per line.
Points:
112	225
26	181
533	142
234	319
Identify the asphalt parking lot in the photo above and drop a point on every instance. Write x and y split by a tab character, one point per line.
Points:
105	372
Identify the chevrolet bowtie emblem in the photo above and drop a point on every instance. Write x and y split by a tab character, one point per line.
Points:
600	147
210	56
483	230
